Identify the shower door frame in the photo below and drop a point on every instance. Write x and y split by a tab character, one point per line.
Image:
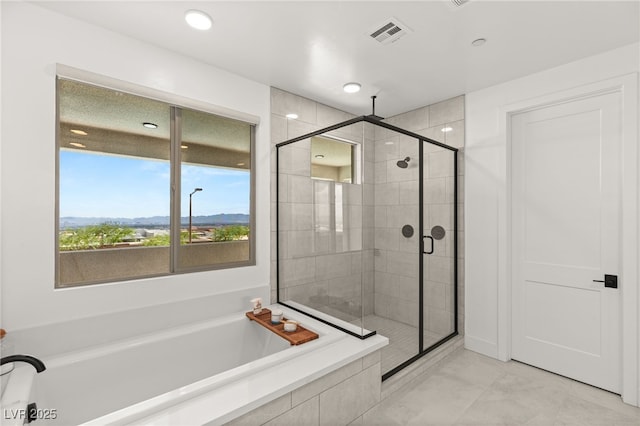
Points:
377	121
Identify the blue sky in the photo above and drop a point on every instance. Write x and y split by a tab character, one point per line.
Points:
94	185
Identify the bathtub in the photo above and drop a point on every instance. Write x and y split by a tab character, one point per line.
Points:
203	373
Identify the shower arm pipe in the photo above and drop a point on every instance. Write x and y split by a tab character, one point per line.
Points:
368	119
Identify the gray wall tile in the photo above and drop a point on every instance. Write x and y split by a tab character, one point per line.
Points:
264	413
349	399
305	414
326	382
446	111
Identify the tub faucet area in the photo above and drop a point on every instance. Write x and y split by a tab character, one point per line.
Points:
35	362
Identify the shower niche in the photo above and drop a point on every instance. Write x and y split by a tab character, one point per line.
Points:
347	197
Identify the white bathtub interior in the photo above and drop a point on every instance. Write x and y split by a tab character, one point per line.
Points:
87	384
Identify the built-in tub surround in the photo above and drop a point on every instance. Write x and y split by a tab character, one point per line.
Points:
199	373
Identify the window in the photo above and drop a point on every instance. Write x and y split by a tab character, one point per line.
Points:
119	156
215	175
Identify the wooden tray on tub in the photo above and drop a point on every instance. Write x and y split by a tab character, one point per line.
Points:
298	337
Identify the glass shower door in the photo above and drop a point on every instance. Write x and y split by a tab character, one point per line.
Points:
439	248
396	165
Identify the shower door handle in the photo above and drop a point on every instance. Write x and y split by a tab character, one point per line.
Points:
432	246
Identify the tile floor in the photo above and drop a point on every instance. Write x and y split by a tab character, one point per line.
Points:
467	388
403	340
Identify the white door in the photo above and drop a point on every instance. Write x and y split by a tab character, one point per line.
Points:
566	212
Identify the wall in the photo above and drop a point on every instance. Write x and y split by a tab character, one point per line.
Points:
487	212
33	41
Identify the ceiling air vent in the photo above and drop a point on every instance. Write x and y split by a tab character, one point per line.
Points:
459	3
388	32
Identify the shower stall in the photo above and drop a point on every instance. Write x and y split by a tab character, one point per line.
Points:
367	234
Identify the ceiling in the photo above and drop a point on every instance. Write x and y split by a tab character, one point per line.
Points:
313	48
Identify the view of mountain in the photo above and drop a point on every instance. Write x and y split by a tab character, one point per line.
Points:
216	219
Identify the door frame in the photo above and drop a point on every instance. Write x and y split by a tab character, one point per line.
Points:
627	86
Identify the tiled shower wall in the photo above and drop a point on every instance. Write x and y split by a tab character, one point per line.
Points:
313	272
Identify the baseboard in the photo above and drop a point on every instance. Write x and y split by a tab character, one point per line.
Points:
481	346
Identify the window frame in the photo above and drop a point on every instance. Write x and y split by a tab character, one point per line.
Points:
175	163
176	193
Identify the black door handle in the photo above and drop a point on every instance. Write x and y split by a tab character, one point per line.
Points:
610	281
432	246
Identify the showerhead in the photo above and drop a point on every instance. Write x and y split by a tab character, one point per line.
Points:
403	164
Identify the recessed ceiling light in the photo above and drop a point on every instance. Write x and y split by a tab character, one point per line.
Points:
478	42
77	145
319	156
240	164
150	125
446	129
79	132
292	115
388	143
352	87
184	146
198	19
